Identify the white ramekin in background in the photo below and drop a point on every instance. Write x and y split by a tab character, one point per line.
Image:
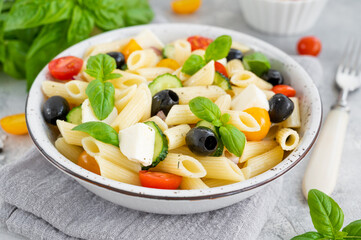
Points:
282	17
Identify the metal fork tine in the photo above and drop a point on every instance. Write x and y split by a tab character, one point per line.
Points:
344	58
350	56
357	57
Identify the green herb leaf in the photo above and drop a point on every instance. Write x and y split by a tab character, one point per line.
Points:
30	13
308	236
101	97
193	64
101	67
233	139
219	48
217	123
100	131
1	5
15	56
137	12
205	109
353	230
327	216
81	25
225	118
256	63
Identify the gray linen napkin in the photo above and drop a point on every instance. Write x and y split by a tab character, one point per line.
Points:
40	202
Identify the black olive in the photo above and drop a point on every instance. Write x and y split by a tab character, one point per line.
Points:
280	108
164	101
201	141
55	108
234	54
118	57
274	77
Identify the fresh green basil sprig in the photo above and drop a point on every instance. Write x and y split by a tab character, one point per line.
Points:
327	218
216	50
233	139
100	131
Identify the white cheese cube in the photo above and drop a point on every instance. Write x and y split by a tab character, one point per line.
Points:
88	115
250	97
223	61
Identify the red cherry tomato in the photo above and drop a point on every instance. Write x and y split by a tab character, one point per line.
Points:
198	42
88	162
65	68
285	90
309	46
159	180
221	69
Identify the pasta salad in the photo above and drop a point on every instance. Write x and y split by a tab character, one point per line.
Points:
195	113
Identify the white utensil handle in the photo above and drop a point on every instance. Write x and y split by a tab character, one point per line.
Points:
322	170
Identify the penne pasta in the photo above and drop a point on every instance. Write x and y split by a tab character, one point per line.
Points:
70	136
293	121
127	79
177	136
203	77
122	97
142	59
115	46
182	51
243	121
192	183
253	149
224	102
51	88
147	39
186	94
161	124
287	138
212	182
180	114
71	152
234	66
244	78
153	72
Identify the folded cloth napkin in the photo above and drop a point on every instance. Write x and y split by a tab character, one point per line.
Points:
40	202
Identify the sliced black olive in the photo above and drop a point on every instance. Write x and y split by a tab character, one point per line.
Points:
164	101
234	54
201	141
280	108
55	108
119	58
274	77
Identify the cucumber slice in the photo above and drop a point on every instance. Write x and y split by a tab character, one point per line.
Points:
160	145
204	123
74	116
163	82
168	51
256	63
222	81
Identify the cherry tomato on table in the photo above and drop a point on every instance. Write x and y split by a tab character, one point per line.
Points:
263	119
130	47
88	162
65	68
14	124
221	69
186	6
159	180
198	42
168	63
309	46
285	90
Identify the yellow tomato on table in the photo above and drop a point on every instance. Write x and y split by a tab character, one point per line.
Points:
186	6
263	119
14	124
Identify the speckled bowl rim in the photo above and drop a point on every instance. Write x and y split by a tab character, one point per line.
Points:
38	128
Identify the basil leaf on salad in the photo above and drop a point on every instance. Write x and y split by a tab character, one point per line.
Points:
218	49
205	109
101	67
193	64
233	139
225	118
100	131
256	63
308	236
101	97
81	25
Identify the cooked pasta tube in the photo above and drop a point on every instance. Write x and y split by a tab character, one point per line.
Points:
245	78
234	66
246	172
182	51
293	121
253	148
237	90
186	94
224	102
180	114
181	75
51	88
243	121
287	138
122	97
71	152
147	39
70	136
142	59
265	161
271	135
153	72
161	124
183	150
192	183
127	79
115	46
177	136
204	77
181	165
199	52
243	48
76	89
212	182
97	148
148	107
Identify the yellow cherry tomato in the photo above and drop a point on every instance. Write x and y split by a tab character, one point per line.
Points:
88	162
168	63
262	117
131	47
186	6
14	124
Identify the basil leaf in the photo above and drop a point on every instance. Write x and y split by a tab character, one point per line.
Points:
193	64
308	236
327	216
137	12
256	63
233	139
101	67
81	25
1	5
205	109
33	13
101	97
100	131
217	123
15	56
225	118
219	48
353	230
25	35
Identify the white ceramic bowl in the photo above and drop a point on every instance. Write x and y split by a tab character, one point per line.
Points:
178	201
282	17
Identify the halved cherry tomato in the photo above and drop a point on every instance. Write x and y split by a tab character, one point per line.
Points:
65	68
14	124
285	90
159	180
198	42
263	119
168	63
186	6
88	162
309	46
221	69
130	47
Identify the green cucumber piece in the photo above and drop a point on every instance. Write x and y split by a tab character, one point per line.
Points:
168	51
256	63
160	145
222	81
74	116
163	82
219	150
